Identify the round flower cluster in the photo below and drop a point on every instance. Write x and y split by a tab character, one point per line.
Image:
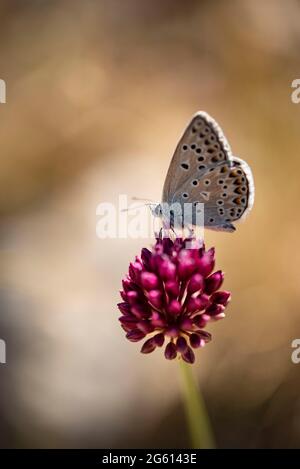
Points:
170	294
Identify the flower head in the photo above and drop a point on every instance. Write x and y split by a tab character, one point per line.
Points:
169	295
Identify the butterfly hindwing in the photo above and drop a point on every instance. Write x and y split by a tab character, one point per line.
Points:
223	189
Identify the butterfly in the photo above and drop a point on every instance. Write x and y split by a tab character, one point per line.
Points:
204	171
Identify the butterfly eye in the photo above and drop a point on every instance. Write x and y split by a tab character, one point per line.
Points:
220	202
184	147
200	158
207	182
220	182
185	166
211	220
224	195
185	195
158	210
195	182
198	150
193	146
194	130
207	142
202	166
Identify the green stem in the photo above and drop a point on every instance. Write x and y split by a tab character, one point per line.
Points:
198	420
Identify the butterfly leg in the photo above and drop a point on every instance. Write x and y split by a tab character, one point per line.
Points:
190	231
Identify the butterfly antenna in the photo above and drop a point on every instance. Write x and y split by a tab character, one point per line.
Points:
142	199
138	206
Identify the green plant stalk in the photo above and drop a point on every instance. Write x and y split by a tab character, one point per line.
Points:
197	417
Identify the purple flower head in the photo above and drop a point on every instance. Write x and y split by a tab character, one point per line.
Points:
169	296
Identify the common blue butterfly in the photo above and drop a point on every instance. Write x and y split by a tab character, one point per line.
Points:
203	170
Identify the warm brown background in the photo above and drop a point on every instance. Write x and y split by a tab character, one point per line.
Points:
98	93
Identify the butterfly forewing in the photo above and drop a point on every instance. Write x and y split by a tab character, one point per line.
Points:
202	145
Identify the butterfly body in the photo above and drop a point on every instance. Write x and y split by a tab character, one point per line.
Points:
203	173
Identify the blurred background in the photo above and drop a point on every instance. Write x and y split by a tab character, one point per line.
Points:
98	93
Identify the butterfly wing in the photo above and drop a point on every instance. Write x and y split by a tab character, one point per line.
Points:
226	190
203	170
202	145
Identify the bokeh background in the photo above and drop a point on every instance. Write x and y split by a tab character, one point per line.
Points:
98	93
